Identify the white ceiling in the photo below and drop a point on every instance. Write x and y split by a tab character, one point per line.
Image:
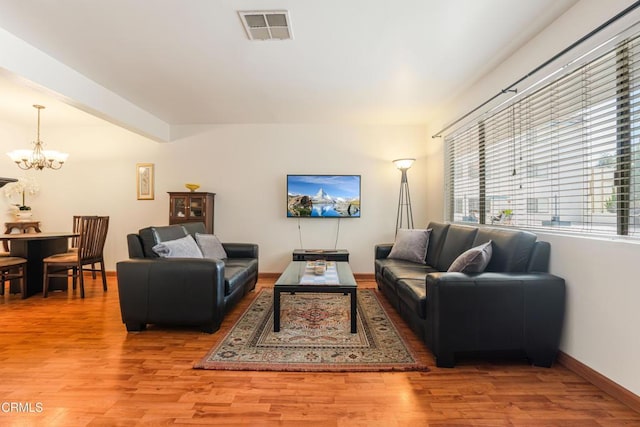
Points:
350	61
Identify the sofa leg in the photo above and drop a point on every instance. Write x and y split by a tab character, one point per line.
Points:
210	328
135	326
446	360
542	359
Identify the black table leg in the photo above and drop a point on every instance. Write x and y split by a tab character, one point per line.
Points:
276	310
354	327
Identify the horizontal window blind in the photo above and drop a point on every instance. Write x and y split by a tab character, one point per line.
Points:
566	156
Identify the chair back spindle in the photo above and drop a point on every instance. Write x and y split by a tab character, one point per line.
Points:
75	241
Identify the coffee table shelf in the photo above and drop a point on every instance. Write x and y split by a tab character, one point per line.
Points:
325	254
289	281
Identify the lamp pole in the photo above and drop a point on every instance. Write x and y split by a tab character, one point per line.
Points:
404	199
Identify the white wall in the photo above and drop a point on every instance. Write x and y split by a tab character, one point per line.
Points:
245	165
601	275
602	314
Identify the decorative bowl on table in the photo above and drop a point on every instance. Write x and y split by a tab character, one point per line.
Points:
192	187
319	268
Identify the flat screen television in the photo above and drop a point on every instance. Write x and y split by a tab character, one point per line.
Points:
323	196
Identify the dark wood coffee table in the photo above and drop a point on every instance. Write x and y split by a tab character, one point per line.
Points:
290	281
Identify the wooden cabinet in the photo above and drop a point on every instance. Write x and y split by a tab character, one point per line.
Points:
192	207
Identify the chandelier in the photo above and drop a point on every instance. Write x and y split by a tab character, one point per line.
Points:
38	158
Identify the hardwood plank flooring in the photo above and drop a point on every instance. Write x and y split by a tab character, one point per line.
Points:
70	362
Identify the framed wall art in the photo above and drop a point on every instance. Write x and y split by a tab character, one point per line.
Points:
144	181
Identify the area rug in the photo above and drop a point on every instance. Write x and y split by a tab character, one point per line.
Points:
314	336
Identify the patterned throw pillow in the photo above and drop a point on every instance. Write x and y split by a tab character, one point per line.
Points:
184	247
211	246
474	260
411	245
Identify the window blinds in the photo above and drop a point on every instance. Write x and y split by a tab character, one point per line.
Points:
564	157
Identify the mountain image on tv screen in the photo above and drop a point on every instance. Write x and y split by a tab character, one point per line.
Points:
323	196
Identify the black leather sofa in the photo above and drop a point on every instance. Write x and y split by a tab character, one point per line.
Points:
182	291
514	306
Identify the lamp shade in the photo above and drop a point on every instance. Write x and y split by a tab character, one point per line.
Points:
403	163
19	155
55	156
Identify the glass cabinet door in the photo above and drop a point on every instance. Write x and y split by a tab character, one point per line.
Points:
196	207
179	207
191	207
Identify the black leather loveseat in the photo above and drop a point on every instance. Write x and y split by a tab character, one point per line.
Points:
515	305
182	291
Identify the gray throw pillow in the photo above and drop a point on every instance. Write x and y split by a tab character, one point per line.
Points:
474	260
184	247
211	246
411	245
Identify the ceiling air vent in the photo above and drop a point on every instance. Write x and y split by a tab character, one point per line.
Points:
267	24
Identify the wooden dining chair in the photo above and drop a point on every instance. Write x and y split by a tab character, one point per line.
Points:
93	234
74	241
12	267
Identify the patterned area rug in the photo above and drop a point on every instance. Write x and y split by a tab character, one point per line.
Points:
314	336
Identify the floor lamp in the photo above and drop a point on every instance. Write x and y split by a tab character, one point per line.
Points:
404	200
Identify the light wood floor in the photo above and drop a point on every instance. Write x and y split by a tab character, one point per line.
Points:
70	362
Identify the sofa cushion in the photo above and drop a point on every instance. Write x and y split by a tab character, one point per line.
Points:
395	269
151	236
210	246
185	247
459	238
234	278
413	292
410	245
436	241
250	264
194	227
474	260
511	248
236	272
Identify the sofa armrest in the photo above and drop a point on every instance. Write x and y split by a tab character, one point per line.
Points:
171	290
495	311
383	250
241	250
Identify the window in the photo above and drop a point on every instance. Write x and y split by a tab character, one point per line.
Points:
565	156
537	205
463	177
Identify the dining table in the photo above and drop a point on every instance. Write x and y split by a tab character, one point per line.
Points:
35	247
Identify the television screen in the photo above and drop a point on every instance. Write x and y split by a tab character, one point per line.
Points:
323	196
